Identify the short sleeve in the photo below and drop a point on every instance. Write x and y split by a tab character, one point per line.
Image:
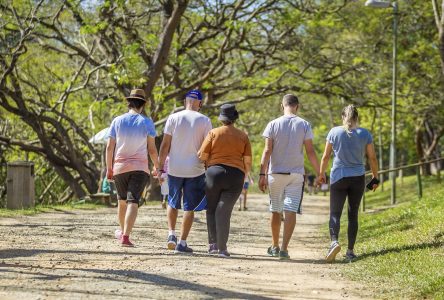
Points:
308	132
207	143
169	126
330	137
151	128
247	149
112	130
208	127
267	132
369	138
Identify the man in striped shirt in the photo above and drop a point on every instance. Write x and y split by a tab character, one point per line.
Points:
282	169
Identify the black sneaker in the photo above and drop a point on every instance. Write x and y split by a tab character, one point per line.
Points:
283	255
224	254
212	249
273	251
183	249
350	255
172	242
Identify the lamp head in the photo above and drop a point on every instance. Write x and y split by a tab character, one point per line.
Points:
378	4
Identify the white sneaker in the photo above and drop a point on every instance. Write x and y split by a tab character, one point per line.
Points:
333	251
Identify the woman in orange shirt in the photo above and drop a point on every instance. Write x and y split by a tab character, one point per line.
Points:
227	153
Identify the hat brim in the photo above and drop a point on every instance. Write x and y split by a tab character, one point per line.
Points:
226	118
136	98
192	98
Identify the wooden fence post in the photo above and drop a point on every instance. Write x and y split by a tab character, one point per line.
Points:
418	176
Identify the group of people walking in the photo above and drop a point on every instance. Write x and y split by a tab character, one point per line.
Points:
206	169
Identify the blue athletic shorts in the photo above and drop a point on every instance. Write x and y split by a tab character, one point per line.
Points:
192	189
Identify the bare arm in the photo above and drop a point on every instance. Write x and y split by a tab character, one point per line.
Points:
164	150
110	146
266	154
373	162
311	154
325	158
152	151
247	164
205	149
265	160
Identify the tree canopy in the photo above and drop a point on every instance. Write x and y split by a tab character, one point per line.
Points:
67	65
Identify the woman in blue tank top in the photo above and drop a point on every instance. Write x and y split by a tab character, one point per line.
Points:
350	144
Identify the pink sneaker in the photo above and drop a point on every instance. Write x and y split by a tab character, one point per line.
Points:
125	242
118	234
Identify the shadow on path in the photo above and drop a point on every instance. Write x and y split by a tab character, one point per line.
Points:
15	253
125	276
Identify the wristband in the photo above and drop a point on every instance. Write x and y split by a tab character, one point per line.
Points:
262	174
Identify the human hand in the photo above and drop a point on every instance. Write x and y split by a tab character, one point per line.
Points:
376	184
109	174
321	179
155	172
161	176
263	183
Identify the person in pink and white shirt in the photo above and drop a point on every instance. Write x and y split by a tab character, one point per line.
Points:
131	139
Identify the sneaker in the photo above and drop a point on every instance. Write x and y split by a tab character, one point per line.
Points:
172	242
224	254
125	242
273	251
283	255
118	234
333	251
183	249
350	255
213	249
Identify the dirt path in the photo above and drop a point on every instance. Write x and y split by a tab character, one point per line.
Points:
73	255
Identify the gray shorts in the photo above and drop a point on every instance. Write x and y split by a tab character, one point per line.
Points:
130	185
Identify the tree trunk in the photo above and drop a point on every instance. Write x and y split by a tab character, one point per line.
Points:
439	21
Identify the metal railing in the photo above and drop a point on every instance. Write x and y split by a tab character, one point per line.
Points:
418	176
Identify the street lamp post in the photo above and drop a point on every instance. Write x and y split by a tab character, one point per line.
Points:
394	5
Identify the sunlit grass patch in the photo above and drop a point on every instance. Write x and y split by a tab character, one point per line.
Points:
48	208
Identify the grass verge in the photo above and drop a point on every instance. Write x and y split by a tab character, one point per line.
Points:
48	208
401	249
406	191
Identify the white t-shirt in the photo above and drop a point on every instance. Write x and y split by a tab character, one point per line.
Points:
188	129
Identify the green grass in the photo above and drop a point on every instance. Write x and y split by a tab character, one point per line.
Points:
406	191
48	208
401	249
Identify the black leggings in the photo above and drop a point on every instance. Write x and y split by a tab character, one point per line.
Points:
353	189
223	187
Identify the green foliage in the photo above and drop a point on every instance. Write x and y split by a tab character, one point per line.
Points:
328	54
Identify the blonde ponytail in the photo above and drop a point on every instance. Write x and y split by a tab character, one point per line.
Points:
349	117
